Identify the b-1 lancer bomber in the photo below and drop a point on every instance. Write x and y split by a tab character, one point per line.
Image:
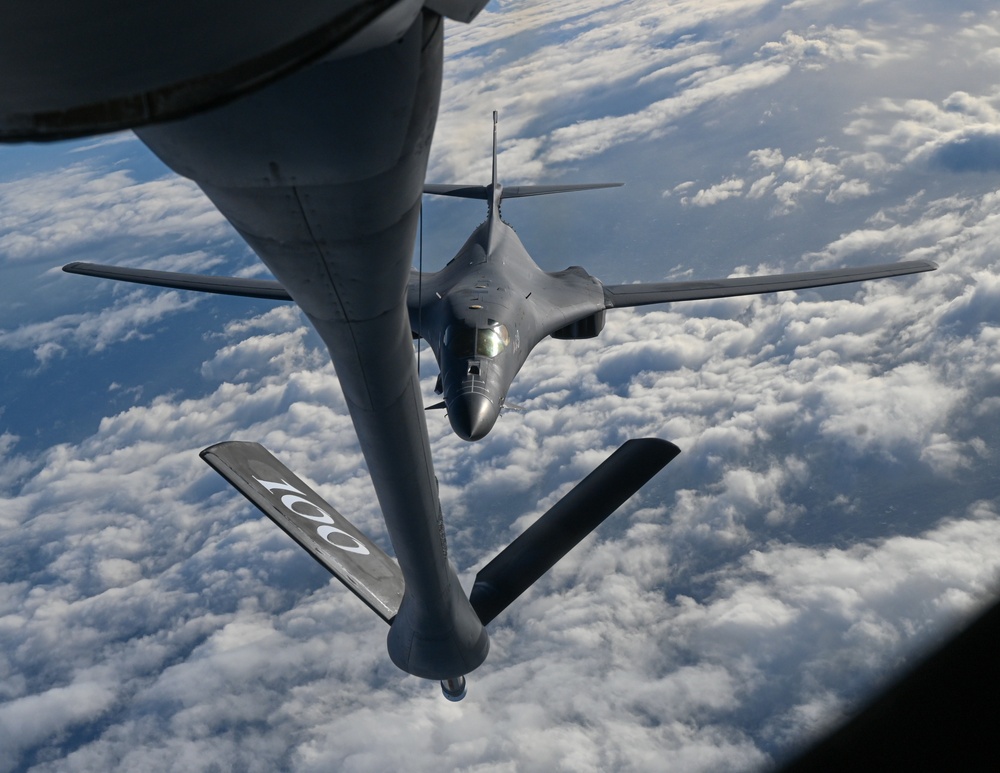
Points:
484	312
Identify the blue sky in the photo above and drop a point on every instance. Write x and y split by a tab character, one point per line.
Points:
834	510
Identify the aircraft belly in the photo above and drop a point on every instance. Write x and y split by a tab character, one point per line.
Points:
338	121
61	71
336	266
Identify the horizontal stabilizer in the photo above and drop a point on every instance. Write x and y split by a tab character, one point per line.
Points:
267	289
303	514
571	519
621	296
520	191
482	192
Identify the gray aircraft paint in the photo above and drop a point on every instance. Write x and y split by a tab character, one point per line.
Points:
484	312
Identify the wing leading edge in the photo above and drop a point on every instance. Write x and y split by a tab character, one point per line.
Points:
621	296
221	285
513	192
615	296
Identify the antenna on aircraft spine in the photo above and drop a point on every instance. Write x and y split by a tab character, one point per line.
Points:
496	190
494	148
494	193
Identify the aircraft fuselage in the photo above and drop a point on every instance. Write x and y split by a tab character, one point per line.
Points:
485	311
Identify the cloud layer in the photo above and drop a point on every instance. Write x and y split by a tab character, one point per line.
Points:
832	514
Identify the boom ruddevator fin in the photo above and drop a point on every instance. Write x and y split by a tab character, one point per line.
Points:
571	519
267	289
304	516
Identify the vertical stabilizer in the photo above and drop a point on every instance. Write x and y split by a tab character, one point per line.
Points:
494	192
494	182
496	189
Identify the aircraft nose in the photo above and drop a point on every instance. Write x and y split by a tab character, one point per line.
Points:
472	416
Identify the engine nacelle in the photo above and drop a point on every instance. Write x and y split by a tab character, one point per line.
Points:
588	327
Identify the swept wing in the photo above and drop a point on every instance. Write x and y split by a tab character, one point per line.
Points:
621	296
222	285
615	296
513	192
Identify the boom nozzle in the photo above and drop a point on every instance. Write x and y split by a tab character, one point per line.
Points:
453	689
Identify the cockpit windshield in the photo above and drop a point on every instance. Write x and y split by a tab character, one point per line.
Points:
465	341
492	340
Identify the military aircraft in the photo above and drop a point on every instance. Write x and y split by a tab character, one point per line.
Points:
485	311
491	305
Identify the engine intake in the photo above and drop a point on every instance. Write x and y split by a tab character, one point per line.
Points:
588	327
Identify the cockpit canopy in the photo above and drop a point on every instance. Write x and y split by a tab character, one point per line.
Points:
463	341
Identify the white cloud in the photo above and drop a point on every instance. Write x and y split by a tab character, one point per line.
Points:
59	211
597	638
588	138
818	48
150	620
124	321
961	134
191	623
706	197
506	62
591	59
36	718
